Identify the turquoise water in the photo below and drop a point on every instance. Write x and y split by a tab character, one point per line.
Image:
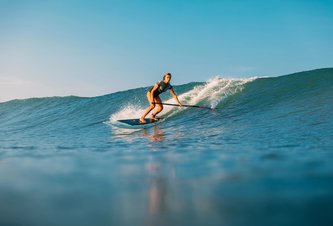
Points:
264	157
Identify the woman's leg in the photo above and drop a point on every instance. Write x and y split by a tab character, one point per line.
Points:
159	106
151	107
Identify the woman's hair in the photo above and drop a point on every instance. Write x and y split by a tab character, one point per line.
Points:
168	73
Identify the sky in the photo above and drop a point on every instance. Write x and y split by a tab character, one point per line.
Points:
97	47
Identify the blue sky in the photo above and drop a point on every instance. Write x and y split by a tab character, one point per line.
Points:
90	48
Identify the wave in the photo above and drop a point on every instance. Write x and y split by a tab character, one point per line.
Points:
237	99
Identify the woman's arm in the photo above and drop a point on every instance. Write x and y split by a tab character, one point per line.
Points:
175	96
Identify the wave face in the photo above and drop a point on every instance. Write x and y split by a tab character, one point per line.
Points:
269	130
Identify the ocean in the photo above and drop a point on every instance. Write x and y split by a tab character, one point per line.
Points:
263	157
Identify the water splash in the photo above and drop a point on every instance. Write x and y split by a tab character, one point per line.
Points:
209	94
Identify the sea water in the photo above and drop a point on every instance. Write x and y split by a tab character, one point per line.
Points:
263	157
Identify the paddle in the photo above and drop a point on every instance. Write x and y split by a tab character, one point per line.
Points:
185	105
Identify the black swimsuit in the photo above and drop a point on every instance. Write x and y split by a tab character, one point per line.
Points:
162	87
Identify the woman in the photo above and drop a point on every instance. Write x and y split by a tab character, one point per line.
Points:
154	99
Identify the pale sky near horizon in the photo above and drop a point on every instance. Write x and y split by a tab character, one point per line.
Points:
91	48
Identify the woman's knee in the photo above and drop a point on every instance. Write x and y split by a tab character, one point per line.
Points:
148	96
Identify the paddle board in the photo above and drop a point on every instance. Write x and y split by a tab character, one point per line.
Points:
135	123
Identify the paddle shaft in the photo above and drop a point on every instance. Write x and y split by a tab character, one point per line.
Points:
185	105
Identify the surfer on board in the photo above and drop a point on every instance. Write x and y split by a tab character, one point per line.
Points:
154	99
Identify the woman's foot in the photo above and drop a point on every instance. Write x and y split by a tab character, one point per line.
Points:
142	121
154	118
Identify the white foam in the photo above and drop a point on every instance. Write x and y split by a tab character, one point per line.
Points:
214	91
127	112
